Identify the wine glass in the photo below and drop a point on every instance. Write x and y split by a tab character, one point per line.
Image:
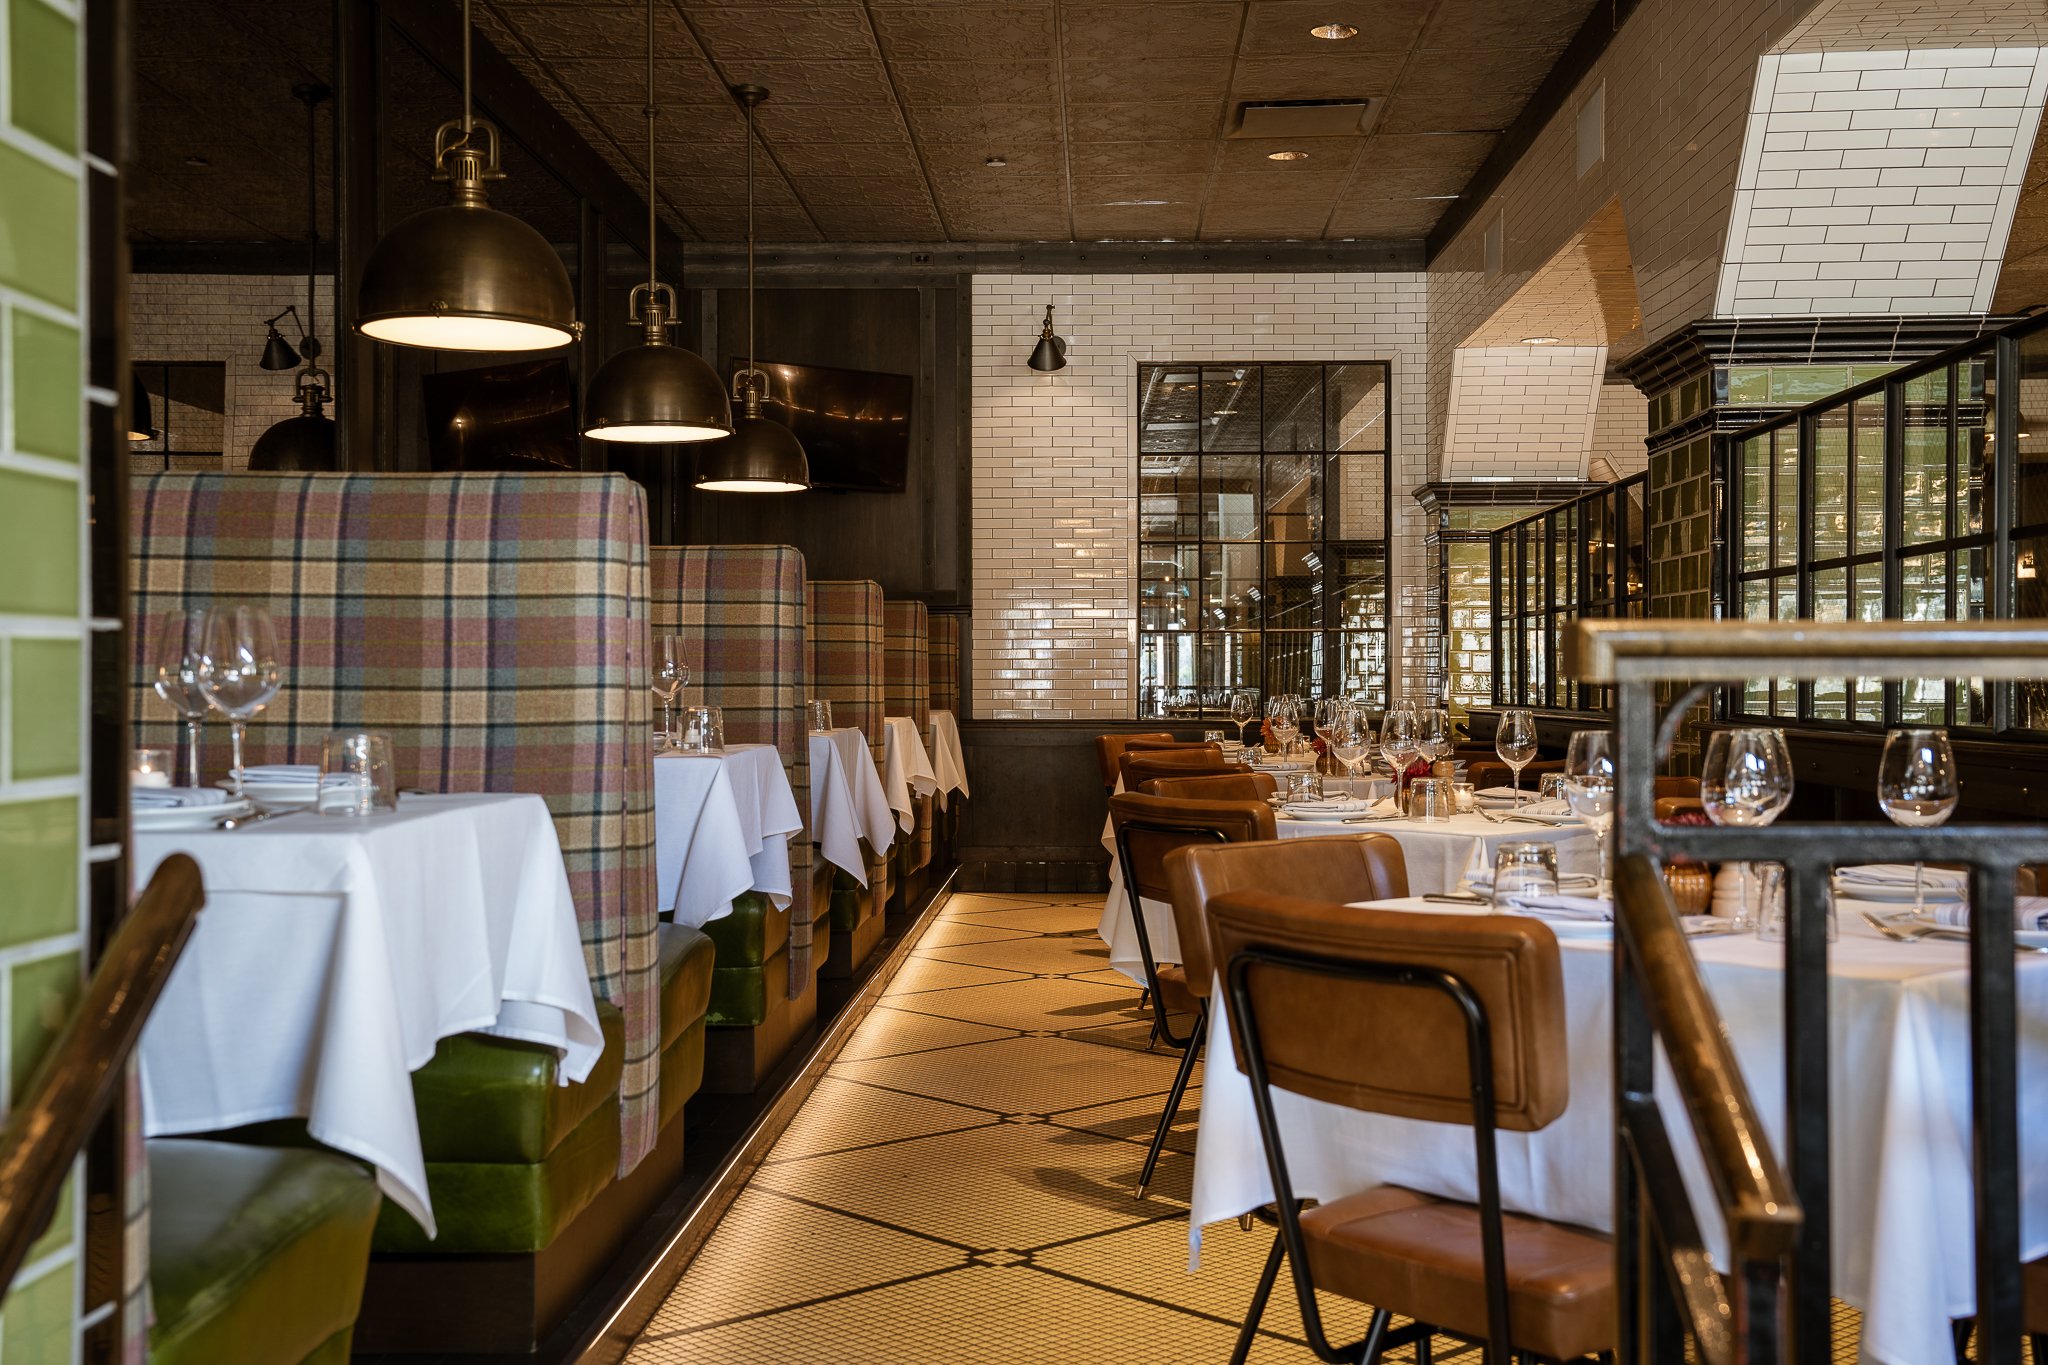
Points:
1746	781
177	678
1918	788
1327	711
671	675
1514	739
1400	738
1433	733
1350	741
1589	788
239	668
1244	709
1283	714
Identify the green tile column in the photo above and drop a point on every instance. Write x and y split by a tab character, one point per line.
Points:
42	610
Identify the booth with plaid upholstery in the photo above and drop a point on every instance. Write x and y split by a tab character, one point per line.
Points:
942	678
495	627
740	612
844	637
906	649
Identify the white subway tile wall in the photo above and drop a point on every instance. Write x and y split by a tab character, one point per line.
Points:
1522	412
1055	457
220	317
1620	425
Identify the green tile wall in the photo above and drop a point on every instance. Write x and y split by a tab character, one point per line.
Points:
42	626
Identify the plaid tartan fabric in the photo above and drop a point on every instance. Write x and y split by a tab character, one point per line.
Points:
740	611
492	624
906	649
943	670
843	632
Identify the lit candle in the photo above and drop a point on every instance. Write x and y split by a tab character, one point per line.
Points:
152	768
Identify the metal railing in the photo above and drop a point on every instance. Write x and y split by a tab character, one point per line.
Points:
1657	993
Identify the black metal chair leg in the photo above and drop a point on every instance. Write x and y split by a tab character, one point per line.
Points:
1375	1333
1250	1331
1425	1350
1173	1099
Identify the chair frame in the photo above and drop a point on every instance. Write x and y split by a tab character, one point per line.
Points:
1289	1241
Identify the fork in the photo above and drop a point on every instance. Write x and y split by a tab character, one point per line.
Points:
1940	931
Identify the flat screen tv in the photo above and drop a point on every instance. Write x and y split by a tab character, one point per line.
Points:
517	416
854	424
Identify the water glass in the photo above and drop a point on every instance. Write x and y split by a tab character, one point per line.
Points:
1212	737
1773	905
1524	870
1465	794
703	730
1304	786
1431	799
821	715
356	776
1550	787
152	767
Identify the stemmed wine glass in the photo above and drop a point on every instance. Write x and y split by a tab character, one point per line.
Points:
1514	739
177	678
1283	713
1918	788
1433	733
1244	709
1327	711
1746	781
239	668
1350	739
671	676
1400	738
1589	788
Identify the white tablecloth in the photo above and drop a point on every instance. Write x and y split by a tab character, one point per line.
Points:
906	769
721	829
1437	856
1899	1071
335	952
948	755
847	804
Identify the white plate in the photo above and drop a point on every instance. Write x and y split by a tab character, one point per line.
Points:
190	817
2030	938
1894	895
1577	928
281	795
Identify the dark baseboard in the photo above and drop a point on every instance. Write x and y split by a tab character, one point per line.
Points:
851	948
1036	876
737	1059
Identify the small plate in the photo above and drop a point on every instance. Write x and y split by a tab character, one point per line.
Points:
1894	895
2031	938
189	817
280	795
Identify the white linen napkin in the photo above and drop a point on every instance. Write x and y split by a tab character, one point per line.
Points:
172	798
1564	907
1945	881
1331	805
2028	912
279	774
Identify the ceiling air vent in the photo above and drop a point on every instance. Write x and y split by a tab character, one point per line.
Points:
1303	118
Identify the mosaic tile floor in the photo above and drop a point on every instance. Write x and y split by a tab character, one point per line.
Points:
958	1187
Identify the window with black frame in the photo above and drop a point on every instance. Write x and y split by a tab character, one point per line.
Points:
1263	508
1582	558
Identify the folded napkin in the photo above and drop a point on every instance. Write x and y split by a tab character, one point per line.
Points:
1946	880
278	774
2028	912
1564	907
1331	805
171	798
1480	879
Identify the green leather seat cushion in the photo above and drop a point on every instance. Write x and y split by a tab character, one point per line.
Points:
754	932
496	1099
682	1070
741	996
512	1206
850	902
256	1253
687	958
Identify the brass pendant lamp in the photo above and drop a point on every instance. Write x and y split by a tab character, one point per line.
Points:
304	443
655	392
762	455
465	277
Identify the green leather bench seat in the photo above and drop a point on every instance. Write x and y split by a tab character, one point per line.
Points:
256	1254
747	940
847	895
512	1206
498	1099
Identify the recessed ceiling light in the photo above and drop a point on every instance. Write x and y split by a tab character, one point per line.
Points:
1286	156
1431	198
1539	341
996	163
1334	32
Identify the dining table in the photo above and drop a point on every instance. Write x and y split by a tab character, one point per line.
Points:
334	952
1900	1156
948	755
1439	856
906	769
847	801
722	825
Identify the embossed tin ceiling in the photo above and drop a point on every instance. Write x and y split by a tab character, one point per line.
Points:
1111	114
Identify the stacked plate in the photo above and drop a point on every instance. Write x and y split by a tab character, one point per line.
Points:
280	786
1893	882
167	809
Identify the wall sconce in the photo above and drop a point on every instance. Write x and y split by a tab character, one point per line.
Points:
277	352
2025	568
1050	353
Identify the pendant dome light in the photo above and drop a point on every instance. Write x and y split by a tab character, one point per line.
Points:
655	392
1050	353
762	455
465	277
141	426
305	443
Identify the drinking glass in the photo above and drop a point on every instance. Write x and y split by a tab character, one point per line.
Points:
1521	870
1550	787
1918	788
177	678
1514	739
1745	780
1433	733
1589	788
703	730
240	669
1244	709
1283	713
1304	786
1400	738
1772	901
356	777
1351	742
151	767
1432	799
670	676
1212	737
1327	711
821	715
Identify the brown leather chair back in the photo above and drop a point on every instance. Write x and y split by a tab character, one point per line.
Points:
1669	806
1139	767
1238	786
1484	773
1141	743
1237	821
1398	1049
1109	748
1360	867
1677	788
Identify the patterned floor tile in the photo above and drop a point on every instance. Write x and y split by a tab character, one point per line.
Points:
1042	919
888	1032
947	933
1135	1120
924	974
1031	1004
1033	954
854	1115
1033	1075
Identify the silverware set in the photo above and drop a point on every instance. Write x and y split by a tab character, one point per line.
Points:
1918	930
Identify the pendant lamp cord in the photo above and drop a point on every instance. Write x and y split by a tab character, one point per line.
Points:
468	114
651	281
753	380
312	209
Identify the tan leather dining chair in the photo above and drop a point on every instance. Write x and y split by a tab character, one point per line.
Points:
1148	828
1137	767
1109	748
1391	1012
1238	786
